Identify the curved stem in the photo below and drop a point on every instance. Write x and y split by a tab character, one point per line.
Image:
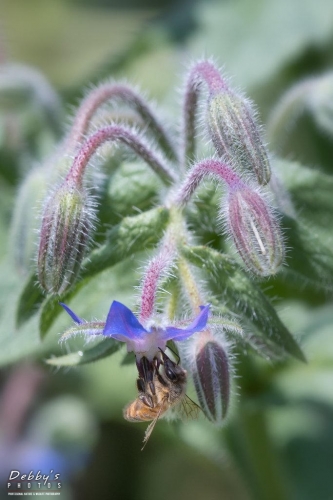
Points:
118	92
156	270
119	133
159	266
202	72
214	168
190	285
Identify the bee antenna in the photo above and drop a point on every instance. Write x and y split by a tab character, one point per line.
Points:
173	352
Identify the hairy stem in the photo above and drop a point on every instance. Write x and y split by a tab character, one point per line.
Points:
190	286
202	72
205	168
119	133
118	92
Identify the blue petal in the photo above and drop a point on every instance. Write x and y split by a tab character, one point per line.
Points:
72	314
121	324
197	325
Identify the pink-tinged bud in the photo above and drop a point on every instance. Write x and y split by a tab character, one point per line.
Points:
210	363
236	134
231	120
255	231
64	236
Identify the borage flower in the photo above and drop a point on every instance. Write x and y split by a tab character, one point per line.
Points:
121	324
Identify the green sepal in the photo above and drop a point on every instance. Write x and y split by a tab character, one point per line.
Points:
245	298
128	359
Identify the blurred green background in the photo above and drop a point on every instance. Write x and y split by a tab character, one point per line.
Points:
278	442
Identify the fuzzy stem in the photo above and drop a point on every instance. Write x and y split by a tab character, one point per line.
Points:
189	114
161	263
156	269
115	133
190	285
117	91
173	302
159	266
202	169
202	72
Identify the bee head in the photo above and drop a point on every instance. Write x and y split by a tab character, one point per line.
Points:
173	371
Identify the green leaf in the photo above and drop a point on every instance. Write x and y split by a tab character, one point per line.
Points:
311	192
243	339
128	359
29	301
245	298
309	259
129	189
87	355
132	235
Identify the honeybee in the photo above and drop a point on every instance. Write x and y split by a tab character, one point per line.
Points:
160	392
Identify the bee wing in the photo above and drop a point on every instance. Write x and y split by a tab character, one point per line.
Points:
188	409
150	427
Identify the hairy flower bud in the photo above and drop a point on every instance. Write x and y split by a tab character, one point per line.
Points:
255	231
64	236
236	135
210	363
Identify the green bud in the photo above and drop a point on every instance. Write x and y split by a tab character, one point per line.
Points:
236	135
66	227
25	222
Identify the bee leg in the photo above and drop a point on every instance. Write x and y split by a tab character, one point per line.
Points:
164	356
146	370
141	366
148	374
140	384
147	399
144	396
157	363
161	379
